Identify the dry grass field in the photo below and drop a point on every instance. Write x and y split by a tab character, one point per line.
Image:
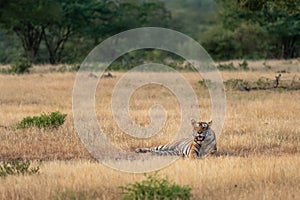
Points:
258	150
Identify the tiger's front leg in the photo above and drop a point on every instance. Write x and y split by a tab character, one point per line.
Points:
214	150
194	150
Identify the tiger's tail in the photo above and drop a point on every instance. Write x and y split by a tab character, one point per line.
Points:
163	150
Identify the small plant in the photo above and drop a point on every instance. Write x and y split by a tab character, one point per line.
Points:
229	67
155	188
69	195
266	66
75	68
21	66
52	120
206	83
17	167
62	69
244	65
233	83
4	70
263	82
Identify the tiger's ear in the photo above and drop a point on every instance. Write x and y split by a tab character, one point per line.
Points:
193	122
209	123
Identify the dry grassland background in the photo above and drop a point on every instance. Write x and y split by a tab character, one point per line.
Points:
258	150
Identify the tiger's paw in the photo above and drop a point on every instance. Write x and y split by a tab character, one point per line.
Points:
142	150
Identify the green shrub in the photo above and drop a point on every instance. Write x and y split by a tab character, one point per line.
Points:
244	65
155	188
52	120
232	83
228	67
75	68
207	83
21	66
62	69
263	83
4	71
17	167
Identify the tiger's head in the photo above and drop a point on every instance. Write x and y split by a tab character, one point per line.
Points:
200	130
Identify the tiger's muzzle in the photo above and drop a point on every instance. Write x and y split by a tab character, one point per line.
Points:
200	136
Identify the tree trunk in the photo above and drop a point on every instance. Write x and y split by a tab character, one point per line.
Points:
55	38
289	47
31	37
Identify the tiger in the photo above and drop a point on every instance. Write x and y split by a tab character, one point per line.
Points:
202	144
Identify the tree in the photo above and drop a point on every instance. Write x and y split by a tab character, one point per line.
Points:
133	14
72	15
9	47
28	19
112	17
192	17
64	29
281	18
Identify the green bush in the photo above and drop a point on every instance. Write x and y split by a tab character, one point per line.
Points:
21	66
263	83
52	120
17	167
62	69
155	188
244	65
75	68
229	67
232	83
207	83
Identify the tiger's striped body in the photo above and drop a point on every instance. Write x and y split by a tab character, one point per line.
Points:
203	143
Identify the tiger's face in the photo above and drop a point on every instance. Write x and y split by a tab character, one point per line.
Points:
199	130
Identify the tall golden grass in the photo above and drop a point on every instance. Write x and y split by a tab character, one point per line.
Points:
258	150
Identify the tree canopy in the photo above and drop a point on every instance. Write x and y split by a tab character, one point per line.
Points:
64	31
